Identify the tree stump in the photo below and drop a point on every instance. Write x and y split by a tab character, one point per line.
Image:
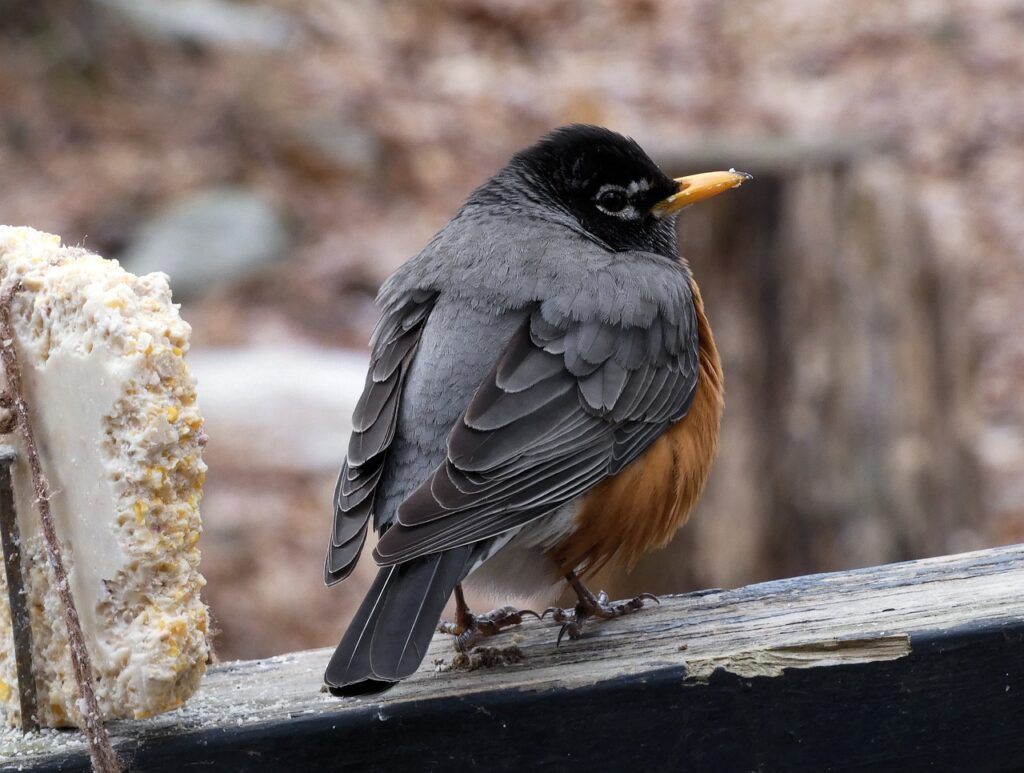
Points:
845	440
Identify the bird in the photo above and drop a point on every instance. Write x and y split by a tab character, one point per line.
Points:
543	399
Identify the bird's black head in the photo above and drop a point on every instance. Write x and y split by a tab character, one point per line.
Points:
606	182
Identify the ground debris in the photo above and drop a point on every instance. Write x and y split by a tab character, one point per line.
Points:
485	657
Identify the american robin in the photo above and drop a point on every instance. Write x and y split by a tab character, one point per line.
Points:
543	398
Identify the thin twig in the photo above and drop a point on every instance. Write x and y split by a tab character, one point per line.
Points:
101	752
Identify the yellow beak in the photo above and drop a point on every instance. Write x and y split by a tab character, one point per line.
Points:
697	187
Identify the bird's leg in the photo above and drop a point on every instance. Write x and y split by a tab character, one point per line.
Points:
589	605
468	629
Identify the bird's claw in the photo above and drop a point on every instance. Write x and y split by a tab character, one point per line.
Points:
558	614
572	628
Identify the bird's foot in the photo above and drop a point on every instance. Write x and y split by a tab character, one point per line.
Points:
469	629
590	606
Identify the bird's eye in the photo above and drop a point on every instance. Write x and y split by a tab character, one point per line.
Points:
612	199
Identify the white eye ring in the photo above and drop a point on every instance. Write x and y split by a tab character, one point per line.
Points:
626	212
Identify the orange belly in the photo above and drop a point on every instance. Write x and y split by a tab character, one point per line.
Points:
641	507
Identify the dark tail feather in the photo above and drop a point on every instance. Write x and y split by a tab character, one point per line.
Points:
388	638
351	660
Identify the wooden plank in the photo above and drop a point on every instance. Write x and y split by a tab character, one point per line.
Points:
769	155
898	667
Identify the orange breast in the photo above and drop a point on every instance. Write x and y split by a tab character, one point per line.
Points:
641	507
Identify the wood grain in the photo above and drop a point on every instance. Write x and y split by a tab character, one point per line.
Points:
900	667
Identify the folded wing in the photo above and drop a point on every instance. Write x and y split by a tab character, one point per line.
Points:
573	399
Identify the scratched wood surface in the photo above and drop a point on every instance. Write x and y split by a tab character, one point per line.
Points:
904	666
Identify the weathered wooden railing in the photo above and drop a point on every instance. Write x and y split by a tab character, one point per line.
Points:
901	667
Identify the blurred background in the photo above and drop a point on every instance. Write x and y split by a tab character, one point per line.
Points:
279	158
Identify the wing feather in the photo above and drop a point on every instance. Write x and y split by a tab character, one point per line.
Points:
573	399
373	428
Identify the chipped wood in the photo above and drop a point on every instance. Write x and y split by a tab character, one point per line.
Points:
773	661
899	667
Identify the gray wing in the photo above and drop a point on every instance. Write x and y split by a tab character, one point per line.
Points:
373	428
573	399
